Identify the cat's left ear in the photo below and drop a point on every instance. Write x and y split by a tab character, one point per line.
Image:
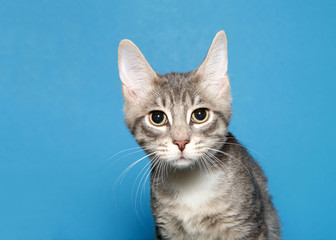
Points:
213	71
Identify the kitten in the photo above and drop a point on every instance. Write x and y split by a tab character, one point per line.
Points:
204	184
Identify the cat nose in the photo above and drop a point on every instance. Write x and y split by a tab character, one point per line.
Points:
181	144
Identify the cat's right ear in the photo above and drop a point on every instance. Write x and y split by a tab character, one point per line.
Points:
135	73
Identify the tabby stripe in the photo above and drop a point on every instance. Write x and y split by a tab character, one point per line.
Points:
211	127
136	123
221	116
184	95
148	132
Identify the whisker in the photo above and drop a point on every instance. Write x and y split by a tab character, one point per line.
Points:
136	179
213	159
162	172
125	150
108	167
144	184
204	164
229	155
121	176
241	145
143	175
136	197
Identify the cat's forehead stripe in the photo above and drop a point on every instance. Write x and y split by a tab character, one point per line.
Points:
163	101
171	97
158	102
197	100
184	95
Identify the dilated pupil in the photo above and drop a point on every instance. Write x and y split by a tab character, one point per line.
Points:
200	114
157	117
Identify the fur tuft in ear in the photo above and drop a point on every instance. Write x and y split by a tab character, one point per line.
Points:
213	70
135	73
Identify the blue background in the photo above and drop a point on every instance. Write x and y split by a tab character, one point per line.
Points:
61	114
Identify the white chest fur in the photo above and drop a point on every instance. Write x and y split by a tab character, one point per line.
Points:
200	192
195	202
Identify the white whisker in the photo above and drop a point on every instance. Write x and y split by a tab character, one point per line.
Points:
121	176
125	150
108	167
241	145
229	155
144	183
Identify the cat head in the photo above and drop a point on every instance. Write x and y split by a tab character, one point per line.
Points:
178	117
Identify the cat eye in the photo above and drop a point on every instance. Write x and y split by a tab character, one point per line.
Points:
158	118
200	115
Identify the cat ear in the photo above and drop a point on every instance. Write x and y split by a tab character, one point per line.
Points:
213	70
135	73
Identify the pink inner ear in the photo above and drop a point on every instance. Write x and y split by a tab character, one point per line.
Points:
129	94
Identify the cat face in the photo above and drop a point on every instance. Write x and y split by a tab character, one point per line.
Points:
177	117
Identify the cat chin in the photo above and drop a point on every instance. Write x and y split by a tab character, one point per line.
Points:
181	163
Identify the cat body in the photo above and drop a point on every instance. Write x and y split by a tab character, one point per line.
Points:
204	184
230	202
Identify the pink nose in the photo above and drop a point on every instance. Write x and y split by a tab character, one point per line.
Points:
181	144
